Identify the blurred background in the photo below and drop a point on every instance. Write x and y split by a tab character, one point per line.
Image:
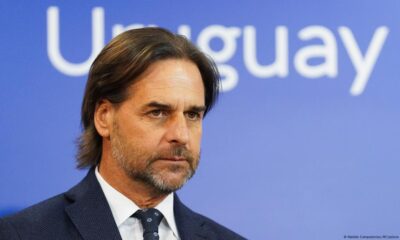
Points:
303	144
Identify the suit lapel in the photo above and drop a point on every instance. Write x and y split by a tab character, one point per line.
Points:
190	226
90	212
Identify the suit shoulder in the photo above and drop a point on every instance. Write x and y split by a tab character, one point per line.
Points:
38	216
7	231
221	231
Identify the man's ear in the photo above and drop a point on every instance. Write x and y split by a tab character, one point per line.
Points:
103	118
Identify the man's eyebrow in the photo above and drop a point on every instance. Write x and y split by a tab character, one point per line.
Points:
164	106
198	109
158	105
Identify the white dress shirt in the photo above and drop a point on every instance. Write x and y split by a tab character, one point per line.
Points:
131	228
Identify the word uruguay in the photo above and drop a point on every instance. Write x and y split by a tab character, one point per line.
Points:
363	63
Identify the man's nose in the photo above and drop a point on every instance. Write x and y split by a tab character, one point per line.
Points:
178	132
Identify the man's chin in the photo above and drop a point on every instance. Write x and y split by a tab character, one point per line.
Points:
164	177
171	180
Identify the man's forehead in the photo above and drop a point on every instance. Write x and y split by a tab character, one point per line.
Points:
169	80
164	92
171	72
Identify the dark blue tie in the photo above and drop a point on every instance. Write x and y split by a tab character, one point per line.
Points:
150	219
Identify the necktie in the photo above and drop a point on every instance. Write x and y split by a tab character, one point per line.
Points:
150	219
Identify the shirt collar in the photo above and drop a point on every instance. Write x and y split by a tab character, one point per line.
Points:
122	207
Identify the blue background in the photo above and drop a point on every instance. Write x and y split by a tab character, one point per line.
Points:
282	158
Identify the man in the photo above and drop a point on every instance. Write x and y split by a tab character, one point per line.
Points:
146	96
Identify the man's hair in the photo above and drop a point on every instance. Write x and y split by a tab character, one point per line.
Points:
118	66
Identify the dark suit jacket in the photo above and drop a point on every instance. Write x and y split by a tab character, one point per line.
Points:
83	213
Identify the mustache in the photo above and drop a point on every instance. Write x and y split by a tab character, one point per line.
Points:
174	152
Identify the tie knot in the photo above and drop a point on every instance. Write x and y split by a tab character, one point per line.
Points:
150	219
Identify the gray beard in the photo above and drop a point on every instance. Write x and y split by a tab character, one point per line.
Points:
148	175
157	182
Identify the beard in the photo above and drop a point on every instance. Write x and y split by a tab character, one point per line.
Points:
141	166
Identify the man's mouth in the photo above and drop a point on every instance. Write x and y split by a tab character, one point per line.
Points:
174	159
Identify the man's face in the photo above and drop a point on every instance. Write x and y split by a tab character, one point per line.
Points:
156	132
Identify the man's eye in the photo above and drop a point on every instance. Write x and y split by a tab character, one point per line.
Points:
157	113
193	115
